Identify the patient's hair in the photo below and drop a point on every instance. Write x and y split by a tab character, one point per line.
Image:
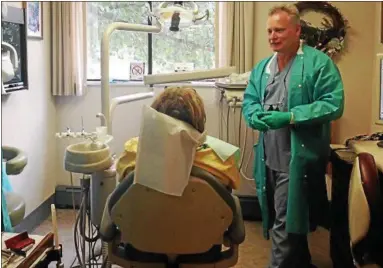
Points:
182	103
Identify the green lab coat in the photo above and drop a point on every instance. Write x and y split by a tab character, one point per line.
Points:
315	97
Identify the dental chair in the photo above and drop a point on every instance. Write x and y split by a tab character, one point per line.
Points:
366	212
16	160
146	228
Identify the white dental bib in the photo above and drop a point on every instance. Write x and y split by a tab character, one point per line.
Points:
166	151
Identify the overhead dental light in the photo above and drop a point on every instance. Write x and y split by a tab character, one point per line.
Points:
173	16
178	15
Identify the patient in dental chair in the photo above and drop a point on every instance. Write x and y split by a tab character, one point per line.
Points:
184	103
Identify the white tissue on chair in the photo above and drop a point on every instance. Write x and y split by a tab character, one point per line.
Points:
166	150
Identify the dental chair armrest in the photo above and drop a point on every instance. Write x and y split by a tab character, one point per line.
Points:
108	230
236	232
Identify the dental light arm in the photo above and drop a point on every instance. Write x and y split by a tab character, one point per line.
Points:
105	92
188	76
128	98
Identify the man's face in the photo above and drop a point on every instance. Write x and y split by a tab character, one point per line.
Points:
282	32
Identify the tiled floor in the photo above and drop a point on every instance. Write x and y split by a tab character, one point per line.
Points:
254	252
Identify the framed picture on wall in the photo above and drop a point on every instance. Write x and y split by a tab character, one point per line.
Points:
14	49
34	12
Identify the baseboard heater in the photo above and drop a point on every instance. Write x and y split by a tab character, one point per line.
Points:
250	207
64	196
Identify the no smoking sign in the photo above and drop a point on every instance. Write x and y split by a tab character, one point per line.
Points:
137	70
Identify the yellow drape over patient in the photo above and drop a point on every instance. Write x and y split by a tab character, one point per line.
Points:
205	158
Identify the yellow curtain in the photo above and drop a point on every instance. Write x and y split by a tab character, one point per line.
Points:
69	48
235	31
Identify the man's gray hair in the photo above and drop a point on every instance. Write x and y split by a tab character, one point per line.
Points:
290	9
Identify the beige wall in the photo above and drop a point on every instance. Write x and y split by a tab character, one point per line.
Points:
29	121
357	68
356	65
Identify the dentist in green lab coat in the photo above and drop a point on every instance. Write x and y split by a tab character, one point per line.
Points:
291	98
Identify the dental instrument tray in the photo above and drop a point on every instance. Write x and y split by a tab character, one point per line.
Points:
18	242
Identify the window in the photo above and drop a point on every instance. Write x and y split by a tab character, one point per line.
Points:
161	53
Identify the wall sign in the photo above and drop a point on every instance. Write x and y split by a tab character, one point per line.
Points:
137	71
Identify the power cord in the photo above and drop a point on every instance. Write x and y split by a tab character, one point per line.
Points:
82	223
243	150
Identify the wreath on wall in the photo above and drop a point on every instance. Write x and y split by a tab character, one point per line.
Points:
330	36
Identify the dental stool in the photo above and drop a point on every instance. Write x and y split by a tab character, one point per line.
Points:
16	160
366	212
147	228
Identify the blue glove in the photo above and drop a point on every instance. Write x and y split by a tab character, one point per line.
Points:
276	120
257	123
